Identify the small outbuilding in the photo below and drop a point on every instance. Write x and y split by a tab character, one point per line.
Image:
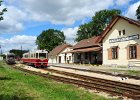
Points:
58	55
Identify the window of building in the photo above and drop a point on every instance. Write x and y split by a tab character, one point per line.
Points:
132	52
124	32
114	53
119	33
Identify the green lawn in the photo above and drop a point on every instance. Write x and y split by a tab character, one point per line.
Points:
127	72
17	85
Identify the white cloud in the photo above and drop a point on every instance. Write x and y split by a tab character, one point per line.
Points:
15	42
64	11
131	12
70	34
122	2
55	11
13	20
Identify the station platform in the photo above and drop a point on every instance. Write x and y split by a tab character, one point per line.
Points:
96	67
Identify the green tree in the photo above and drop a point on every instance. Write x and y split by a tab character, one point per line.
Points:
84	31
49	39
138	13
97	25
2	11
18	53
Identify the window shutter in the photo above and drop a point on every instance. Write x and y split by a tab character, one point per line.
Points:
138	51
127	49
118	52
109	54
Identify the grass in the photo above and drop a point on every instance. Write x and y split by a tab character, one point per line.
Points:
127	72
17	85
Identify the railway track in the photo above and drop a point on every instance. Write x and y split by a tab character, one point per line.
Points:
100	72
124	88
127	90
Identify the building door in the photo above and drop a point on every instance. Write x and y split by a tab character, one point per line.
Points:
59	59
65	58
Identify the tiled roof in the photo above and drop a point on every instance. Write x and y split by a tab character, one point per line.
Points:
59	49
131	21
113	22
86	50
87	43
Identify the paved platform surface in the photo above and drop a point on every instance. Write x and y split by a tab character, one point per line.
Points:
100	68
90	67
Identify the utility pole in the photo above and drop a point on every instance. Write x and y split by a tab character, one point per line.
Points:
21	51
21	47
0	50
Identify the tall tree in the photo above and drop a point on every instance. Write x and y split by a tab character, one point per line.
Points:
49	39
2	11
18	53
84	31
138	13
97	25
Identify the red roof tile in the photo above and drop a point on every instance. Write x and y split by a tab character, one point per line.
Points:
59	49
87	43
85	50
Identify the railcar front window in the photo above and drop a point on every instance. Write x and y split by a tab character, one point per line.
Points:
11	56
42	55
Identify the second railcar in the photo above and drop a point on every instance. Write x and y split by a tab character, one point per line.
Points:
10	58
38	58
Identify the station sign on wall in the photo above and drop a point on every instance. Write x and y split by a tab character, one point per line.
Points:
132	37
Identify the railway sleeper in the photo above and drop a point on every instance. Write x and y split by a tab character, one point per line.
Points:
92	79
92	87
131	95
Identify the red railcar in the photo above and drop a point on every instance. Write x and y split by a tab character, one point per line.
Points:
38	58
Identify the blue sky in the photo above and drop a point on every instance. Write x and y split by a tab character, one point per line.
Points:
26	19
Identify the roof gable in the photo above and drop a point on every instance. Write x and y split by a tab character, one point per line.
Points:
113	22
59	49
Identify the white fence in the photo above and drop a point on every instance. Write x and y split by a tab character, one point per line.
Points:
134	64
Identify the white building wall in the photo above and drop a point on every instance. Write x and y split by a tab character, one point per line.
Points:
69	58
130	30
55	59
52	59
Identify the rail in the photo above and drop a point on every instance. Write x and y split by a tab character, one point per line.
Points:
132	91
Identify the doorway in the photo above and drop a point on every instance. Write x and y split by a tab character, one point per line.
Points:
59	59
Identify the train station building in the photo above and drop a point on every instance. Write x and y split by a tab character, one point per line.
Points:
118	45
87	51
121	42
